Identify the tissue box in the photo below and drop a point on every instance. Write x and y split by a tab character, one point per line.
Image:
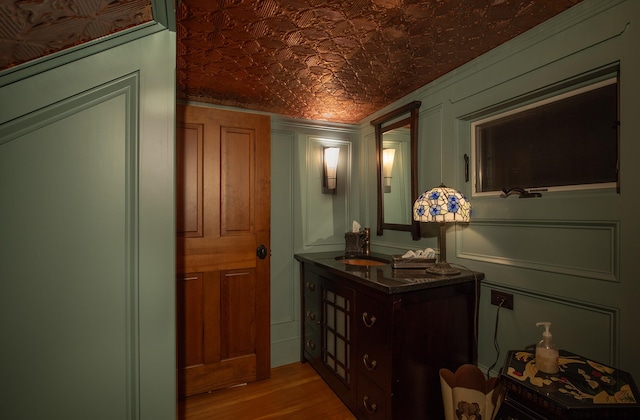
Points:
398	262
353	243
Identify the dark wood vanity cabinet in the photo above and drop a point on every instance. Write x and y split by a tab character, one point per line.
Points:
378	337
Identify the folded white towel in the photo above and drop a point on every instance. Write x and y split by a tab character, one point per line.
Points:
427	253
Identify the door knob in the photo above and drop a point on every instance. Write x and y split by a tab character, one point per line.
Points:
261	252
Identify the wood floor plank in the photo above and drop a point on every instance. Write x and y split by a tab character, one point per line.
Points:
294	391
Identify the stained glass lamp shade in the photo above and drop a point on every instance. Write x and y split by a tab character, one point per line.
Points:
442	205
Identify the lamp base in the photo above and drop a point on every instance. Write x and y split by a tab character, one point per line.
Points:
443	268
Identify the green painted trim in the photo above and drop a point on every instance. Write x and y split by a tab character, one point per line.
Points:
164	12
127	85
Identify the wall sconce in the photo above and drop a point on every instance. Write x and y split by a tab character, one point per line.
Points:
387	168
330	169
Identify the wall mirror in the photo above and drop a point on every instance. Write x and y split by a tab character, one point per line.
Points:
397	156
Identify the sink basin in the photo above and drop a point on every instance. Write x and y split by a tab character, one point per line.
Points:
363	260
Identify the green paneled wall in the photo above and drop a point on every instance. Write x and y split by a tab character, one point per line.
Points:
87	273
568	258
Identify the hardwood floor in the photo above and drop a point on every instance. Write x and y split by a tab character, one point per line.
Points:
293	392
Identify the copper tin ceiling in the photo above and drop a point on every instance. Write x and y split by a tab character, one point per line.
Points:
336	61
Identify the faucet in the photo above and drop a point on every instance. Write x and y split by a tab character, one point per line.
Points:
366	242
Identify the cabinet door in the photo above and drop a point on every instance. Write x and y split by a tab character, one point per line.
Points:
337	331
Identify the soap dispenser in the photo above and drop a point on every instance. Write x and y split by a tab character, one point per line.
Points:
546	351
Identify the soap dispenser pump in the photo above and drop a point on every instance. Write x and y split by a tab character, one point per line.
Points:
546	351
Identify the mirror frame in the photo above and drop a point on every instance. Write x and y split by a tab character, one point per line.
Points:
412	111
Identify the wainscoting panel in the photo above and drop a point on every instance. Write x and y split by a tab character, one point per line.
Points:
327	215
592	330
547	246
70	192
282	263
285	294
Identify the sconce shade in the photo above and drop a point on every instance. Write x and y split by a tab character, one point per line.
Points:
442	204
330	169
387	167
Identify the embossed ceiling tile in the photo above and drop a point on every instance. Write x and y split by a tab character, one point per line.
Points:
364	24
271	43
419	11
240	17
340	60
312	59
94	28
13	19
293	4
290	66
125	13
237	36
332	58
344	30
326	14
71	32
266	8
25	51
182	32
314	34
231	50
6	52
281	25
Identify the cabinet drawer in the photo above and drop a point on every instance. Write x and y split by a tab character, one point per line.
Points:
374	362
371	400
371	319
312	315
311	286
312	345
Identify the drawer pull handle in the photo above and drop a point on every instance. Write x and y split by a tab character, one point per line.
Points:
369	366
368	322
311	345
311	315
369	408
311	286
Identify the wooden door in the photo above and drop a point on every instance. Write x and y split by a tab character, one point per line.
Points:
223	213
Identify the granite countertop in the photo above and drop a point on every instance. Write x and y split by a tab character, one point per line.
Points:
385	278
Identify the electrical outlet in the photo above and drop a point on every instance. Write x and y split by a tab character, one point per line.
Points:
497	297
